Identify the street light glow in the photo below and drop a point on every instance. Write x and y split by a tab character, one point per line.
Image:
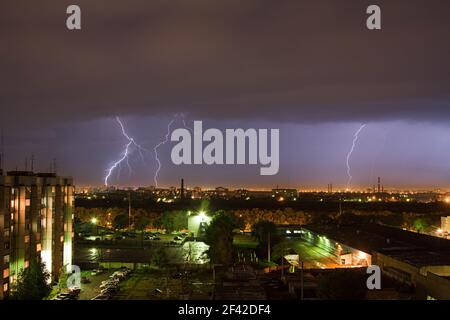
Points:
202	215
94	221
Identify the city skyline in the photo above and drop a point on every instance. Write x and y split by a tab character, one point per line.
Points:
391	150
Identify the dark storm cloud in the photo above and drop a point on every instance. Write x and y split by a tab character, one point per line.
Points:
300	61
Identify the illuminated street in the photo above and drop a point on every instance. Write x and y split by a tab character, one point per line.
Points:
313	257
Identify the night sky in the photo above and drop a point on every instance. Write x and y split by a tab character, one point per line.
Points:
309	68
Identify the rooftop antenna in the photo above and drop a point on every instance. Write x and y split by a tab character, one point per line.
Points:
129	209
26	163
54	165
2	154
32	162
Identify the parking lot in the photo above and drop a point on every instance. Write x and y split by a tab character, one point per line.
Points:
92	289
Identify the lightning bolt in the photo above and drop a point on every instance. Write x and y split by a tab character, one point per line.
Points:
355	141
155	149
126	152
164	141
183	119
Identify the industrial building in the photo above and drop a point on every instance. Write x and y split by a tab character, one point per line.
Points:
445	225
418	260
36	214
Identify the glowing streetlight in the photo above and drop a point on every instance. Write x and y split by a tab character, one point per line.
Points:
202	215
94	220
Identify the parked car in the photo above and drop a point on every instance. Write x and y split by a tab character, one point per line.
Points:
96	272
102	297
109	290
108	285
75	291
65	296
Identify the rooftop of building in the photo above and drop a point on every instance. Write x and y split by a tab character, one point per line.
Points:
413	248
30	174
30	178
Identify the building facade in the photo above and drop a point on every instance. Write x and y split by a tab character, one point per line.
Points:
445	224
36	214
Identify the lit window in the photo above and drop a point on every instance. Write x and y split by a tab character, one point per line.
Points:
27	239
5	287
61	239
6	259
5	273
38	247
27	264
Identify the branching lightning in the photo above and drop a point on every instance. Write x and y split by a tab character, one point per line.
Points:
355	141
126	153
155	149
164	141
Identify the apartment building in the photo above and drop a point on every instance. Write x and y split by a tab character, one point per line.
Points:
36	214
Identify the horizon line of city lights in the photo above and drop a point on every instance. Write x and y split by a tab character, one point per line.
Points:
367	190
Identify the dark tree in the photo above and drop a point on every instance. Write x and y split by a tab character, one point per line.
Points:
159	257
263	230
142	222
32	283
174	220
219	237
120	221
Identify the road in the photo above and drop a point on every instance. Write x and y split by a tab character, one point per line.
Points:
92	289
313	256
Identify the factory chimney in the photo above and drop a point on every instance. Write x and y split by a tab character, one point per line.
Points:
182	189
379	185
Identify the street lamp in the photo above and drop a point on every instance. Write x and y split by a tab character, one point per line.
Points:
202	215
94	222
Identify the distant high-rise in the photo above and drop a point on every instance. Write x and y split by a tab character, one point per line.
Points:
36	212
